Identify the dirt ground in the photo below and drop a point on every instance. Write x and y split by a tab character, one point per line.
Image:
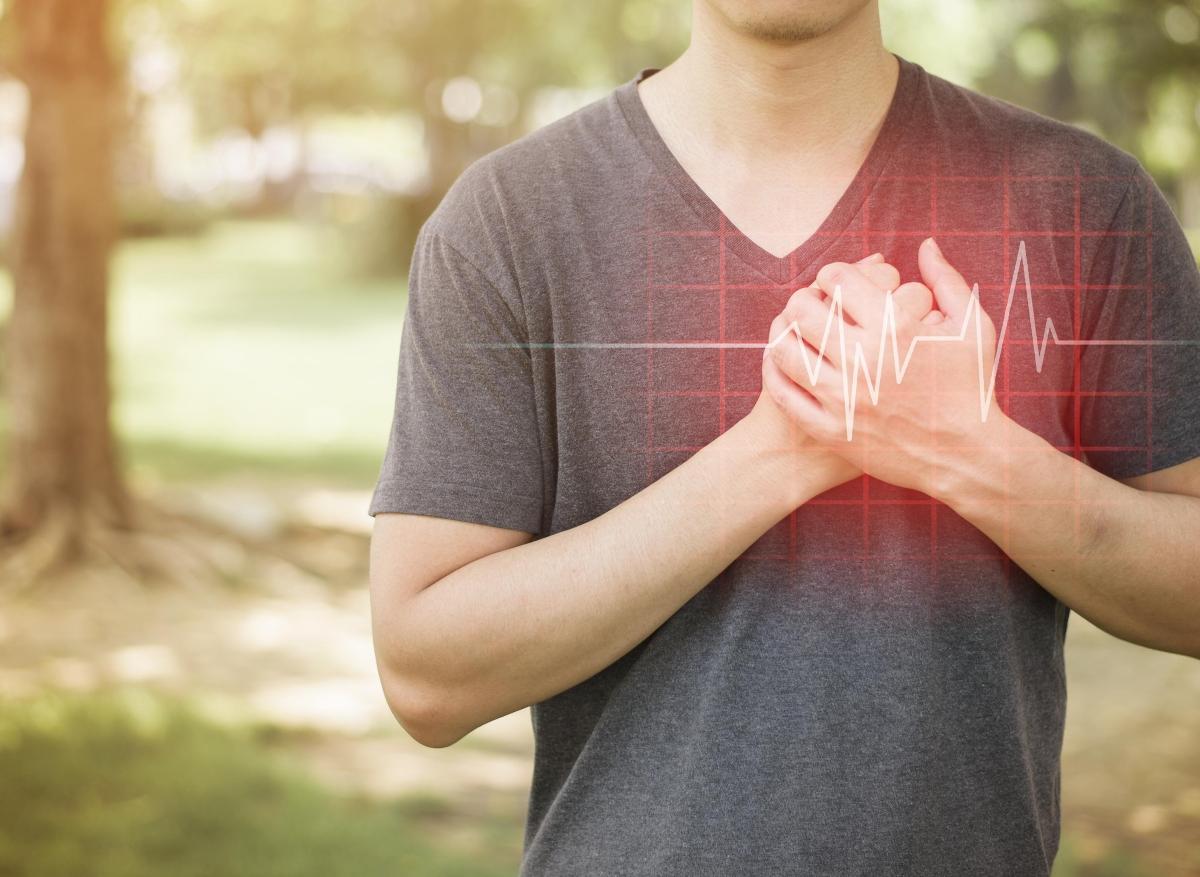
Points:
286	640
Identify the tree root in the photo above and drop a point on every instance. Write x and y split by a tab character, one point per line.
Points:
40	552
160	547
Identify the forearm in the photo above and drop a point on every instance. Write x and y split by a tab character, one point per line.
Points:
1125	559
520	625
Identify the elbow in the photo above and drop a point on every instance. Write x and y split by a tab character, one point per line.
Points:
1157	636
425	713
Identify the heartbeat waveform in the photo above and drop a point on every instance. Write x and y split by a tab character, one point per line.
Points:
973	316
873	378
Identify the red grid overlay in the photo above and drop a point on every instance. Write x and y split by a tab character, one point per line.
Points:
722	382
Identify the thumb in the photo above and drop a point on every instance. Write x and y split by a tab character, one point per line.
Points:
950	290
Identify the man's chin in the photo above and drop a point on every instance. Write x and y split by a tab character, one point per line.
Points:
783	22
780	30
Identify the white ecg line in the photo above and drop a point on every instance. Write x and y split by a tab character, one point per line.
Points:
813	363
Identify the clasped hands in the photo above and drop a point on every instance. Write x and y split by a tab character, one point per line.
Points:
831	385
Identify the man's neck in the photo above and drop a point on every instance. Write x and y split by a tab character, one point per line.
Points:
756	102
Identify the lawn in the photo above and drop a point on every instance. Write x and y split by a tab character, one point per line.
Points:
253	349
130	784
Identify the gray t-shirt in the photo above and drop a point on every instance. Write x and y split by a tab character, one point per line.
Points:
873	688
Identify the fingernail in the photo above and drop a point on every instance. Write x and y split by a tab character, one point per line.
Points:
936	249
874	257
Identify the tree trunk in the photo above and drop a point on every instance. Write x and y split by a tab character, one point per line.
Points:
62	461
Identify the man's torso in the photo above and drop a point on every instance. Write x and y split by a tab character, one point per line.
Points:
873	687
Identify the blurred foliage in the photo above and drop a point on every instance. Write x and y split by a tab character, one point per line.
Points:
145	214
242	59
129	784
1128	69
472	71
252	66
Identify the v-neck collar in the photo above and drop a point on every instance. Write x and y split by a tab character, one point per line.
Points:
778	269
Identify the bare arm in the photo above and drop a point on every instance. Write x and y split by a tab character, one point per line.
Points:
472	622
1124	556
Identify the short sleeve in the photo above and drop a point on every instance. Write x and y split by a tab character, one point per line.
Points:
464	439
1139	375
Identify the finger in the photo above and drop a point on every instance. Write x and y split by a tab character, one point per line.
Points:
802	364
798	404
879	272
933	318
815	322
884	276
950	290
873	259
914	299
861	299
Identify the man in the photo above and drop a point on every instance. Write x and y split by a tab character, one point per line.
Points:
782	562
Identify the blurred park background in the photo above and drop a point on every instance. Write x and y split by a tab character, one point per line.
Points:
206	213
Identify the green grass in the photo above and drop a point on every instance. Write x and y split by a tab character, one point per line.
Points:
1115	863
1193	236
252	348
132	784
128	784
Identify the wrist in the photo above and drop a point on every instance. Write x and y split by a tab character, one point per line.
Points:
974	475
792	471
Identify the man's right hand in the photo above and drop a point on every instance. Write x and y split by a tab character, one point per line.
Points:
776	429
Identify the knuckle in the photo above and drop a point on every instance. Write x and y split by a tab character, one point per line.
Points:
778	354
799	300
832	272
811	311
